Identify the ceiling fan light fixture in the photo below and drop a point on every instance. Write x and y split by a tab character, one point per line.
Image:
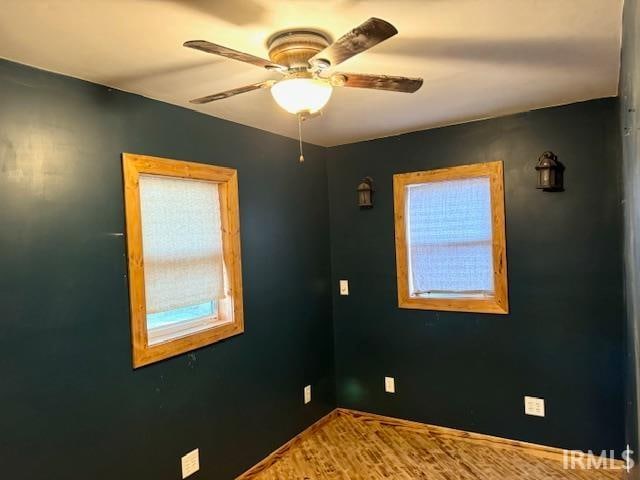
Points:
297	95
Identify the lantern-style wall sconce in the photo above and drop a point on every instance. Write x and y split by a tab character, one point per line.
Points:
550	173
365	193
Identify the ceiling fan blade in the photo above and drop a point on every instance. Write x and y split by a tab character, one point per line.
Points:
231	93
378	82
209	47
361	38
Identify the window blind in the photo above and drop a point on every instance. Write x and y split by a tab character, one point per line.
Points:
181	242
449	238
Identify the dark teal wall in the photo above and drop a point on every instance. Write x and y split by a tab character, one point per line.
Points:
72	407
630	123
564	337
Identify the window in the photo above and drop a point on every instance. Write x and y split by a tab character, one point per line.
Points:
183	244
450	239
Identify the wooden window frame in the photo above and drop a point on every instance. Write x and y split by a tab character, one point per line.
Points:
227	180
499	303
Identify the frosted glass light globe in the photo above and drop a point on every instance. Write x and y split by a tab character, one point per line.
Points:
298	95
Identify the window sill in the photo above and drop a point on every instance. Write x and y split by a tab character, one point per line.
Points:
474	305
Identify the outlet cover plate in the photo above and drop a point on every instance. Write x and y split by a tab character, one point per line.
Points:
307	394
389	384
534	406
190	463
344	287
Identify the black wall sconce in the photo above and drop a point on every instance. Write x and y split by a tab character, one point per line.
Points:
365	193
550	173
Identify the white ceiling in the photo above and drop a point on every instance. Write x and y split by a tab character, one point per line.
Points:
478	58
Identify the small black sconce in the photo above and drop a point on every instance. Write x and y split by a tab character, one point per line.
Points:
365	193
550	173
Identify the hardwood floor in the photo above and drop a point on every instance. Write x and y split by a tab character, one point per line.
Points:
349	445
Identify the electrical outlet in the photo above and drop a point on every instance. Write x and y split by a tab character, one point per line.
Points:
389	384
307	394
344	287
534	406
190	463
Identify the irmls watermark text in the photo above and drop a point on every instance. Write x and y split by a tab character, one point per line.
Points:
604	460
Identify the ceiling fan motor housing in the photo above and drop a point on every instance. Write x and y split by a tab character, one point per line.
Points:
294	48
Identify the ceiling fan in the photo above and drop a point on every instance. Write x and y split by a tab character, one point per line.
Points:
303	57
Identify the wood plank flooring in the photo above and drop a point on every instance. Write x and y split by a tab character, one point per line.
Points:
349	445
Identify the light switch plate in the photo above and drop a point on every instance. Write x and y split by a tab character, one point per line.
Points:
307	394
344	287
389	384
534	406
190	463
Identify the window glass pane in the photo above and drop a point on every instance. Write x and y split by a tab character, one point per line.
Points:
449	238
171	317
176	323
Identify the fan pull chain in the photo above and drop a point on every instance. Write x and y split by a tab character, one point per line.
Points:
300	136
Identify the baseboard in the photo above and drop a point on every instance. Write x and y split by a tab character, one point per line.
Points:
275	456
541	451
